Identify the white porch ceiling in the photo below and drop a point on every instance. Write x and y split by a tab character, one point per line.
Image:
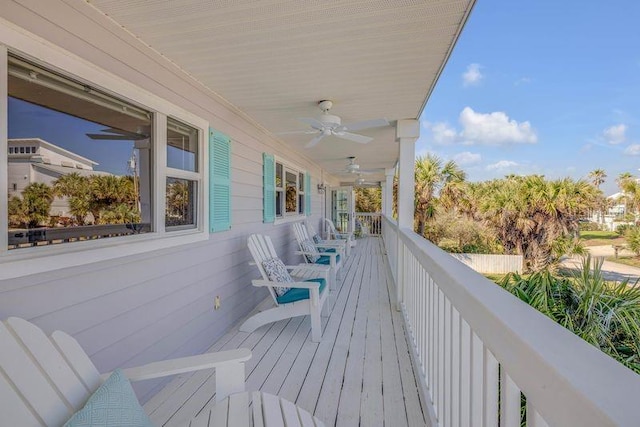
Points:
274	60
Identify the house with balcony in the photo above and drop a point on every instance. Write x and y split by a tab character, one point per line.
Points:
226	106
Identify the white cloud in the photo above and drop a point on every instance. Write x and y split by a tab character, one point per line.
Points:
494	129
472	76
522	81
467	158
633	150
443	134
615	134
502	165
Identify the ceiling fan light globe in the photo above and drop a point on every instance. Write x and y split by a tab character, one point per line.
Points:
330	121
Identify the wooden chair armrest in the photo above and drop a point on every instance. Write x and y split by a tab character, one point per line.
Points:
332	243
298	285
187	364
310	267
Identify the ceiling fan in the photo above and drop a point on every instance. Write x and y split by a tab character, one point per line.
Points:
330	125
360	181
354	168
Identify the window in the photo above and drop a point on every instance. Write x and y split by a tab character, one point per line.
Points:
289	187
182	165
95	179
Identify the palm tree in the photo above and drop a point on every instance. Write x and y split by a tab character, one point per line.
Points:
597	177
623	178
431	179
77	190
529	214
37	198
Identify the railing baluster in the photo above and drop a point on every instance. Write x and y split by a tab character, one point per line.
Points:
441	355
477	380
465	373
509	401
446	419
491	389
455	368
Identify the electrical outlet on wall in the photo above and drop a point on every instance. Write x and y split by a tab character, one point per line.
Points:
216	302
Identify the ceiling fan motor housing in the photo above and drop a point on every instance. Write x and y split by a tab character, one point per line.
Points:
330	120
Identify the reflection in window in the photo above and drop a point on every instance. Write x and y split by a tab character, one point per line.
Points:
181	203
91	177
182	146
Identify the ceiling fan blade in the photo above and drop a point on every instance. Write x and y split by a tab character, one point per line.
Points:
314	123
376	123
117	134
298	132
314	141
361	139
112	137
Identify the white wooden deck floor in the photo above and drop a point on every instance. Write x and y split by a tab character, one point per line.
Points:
359	374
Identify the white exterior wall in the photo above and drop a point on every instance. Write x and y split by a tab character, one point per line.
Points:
155	305
19	173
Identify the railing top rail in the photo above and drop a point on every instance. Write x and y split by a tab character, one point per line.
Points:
569	381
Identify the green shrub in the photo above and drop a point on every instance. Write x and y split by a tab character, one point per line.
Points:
622	229
632	236
606	315
589	226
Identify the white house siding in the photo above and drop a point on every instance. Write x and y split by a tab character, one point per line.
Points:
155	305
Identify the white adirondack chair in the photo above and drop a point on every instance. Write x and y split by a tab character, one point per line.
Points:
342	242
312	304
44	380
332	233
333	259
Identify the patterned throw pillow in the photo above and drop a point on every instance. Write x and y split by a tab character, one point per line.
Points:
312	252
113	404
277	272
317	239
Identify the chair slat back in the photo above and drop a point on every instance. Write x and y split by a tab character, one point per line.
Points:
331	229
262	249
36	373
300	230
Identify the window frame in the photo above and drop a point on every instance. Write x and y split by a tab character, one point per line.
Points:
298	171
19	262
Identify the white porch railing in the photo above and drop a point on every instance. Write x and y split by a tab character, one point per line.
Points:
370	223
477	348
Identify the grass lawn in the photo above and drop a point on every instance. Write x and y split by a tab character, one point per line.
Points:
599	238
628	260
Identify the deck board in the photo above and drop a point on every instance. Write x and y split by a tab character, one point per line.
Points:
359	374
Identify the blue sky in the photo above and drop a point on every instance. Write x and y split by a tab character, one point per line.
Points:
548	87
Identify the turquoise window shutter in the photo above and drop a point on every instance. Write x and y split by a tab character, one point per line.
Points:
219	181
307	193
269	187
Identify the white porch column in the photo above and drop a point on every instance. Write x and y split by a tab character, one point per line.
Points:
407	132
387	192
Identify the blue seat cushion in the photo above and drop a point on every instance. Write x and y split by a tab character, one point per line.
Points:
297	294
326	260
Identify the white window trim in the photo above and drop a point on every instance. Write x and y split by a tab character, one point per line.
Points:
292	167
19	262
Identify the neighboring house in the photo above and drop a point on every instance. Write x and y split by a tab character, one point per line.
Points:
36	160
